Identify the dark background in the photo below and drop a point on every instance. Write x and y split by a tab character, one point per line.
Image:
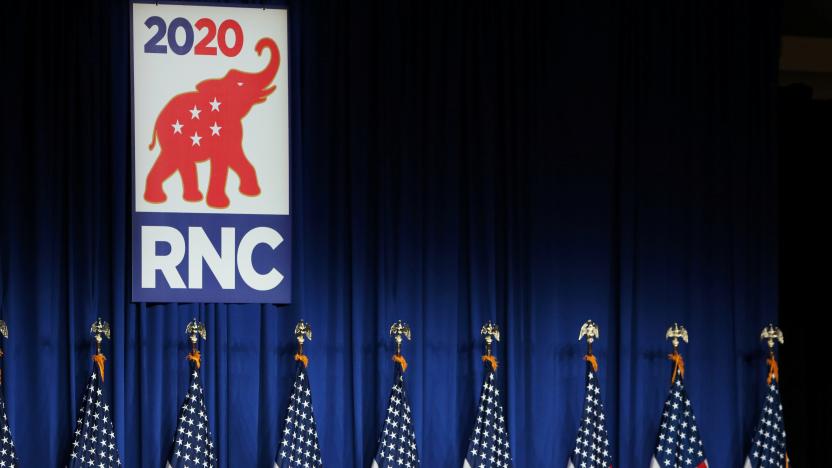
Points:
537	163
812	18
804	164
804	121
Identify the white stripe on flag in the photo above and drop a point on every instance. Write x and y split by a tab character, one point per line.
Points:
168	465
465	464
275	465
374	465
569	463
747	463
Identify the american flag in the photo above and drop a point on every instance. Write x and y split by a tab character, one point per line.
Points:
299	444
8	459
592	446
397	442
489	444
768	446
193	445
94	443
679	444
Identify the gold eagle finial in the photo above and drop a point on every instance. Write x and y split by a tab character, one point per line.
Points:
589	330
303	329
397	331
491	332
771	333
194	328
303	332
676	332
100	329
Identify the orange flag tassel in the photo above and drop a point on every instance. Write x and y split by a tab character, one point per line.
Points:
679	365
491	360
302	358
592	360
99	359
400	359
196	358
773	370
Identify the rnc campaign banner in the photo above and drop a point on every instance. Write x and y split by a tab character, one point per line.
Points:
211	219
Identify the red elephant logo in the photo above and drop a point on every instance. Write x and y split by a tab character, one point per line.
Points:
207	124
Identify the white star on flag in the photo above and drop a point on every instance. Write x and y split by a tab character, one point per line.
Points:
215	129
177	127
679	444
592	446
94	441
768	445
193	445
397	441
195	139
299	443
215	105
8	458
195	113
489	443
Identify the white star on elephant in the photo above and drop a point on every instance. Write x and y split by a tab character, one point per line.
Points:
177	127
195	113
215	129
215	105
195	139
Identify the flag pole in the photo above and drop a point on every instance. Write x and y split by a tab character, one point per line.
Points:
591	331
4	330
194	330
303	332
397	331
490	331
99	330
674	334
772	334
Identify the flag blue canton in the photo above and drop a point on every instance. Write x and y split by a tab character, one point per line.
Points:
397	443
94	442
489	443
679	444
299	443
193	445
8	459
592	446
768	446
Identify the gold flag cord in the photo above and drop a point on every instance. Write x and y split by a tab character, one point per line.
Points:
195	357
773	370
593	361
678	365
491	360
402	362
99	359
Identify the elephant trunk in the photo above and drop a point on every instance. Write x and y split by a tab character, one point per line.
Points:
266	76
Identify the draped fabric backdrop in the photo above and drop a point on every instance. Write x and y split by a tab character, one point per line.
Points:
537	164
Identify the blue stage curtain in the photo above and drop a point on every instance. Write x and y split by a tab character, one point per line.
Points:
537	164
